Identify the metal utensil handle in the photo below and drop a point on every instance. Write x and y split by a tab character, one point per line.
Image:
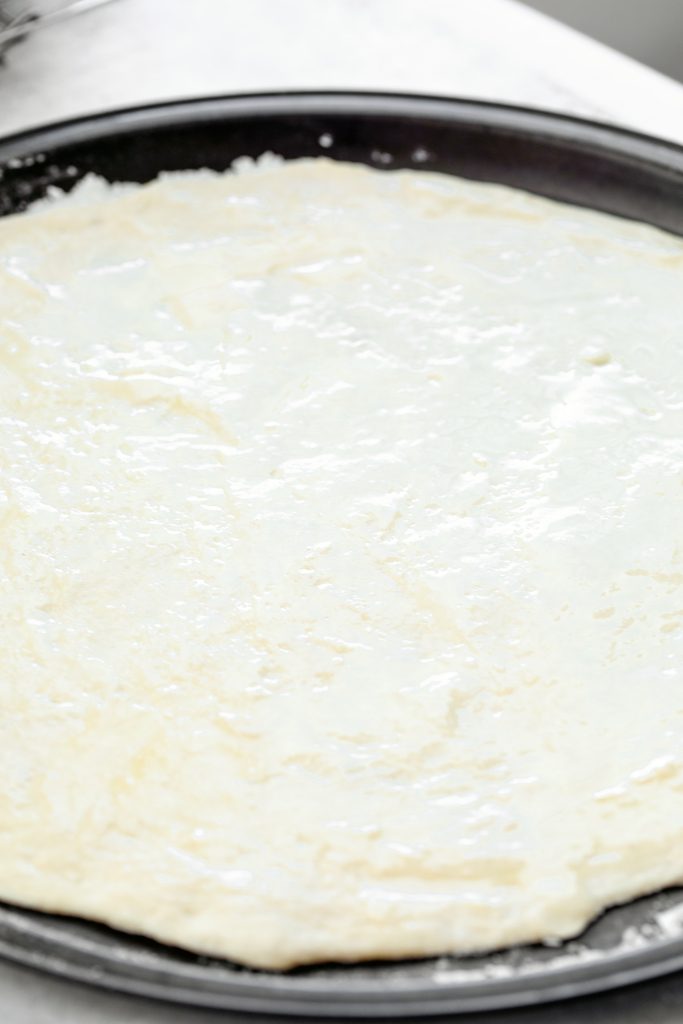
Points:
32	17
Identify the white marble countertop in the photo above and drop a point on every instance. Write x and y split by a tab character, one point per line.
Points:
137	51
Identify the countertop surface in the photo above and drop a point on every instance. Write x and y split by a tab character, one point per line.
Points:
137	51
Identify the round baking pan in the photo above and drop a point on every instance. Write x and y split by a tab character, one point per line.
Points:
577	161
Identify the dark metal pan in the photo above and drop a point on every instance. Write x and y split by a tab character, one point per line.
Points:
576	161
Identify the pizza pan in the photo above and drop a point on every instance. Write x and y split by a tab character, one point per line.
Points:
577	161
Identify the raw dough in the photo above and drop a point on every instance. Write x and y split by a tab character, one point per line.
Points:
341	545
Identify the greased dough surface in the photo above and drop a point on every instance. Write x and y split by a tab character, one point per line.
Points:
341	551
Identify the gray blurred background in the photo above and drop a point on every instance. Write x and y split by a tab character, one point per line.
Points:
649	30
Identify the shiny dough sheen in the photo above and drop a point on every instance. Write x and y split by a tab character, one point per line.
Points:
341	546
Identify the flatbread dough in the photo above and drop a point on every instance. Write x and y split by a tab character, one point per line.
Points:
341	541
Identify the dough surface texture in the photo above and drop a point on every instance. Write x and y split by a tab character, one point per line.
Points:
341	549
